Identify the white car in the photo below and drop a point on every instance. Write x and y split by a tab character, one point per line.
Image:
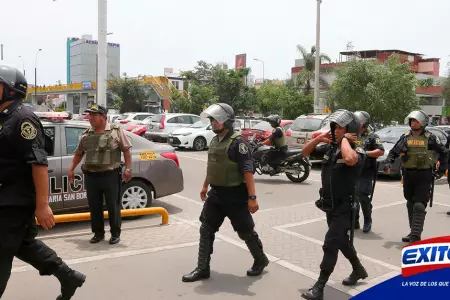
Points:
160	126
198	136
132	118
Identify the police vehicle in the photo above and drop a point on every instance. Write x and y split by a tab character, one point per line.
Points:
156	171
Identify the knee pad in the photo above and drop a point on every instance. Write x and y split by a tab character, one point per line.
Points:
247	235
419	207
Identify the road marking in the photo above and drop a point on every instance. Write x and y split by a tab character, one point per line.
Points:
198	202
81	233
190	157
113	255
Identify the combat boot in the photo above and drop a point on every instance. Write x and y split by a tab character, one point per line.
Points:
359	272
417	226
366	208
70	280
205	249
261	261
406	239
316	292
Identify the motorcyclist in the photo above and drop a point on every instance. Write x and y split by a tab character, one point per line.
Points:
278	140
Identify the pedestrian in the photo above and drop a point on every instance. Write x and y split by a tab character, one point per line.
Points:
24	188
230	175
417	148
342	165
371	144
103	144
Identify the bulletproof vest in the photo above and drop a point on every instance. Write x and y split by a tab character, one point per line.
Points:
100	155
222	171
362	140
279	142
419	157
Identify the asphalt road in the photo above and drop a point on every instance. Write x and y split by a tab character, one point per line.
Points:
151	259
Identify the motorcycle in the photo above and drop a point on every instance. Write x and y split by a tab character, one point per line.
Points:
294	165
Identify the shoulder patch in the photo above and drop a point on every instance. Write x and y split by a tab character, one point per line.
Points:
243	149
427	134
360	150
28	131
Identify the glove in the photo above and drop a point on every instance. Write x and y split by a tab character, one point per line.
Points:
387	167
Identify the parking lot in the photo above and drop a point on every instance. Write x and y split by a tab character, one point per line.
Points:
151	258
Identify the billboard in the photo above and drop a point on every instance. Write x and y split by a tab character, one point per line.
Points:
241	61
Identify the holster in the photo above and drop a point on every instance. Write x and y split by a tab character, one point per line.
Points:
320	204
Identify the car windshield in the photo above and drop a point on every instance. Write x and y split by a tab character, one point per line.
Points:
122	117
157	118
391	134
306	124
263	126
147	120
199	124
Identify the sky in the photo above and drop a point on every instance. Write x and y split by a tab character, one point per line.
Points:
178	33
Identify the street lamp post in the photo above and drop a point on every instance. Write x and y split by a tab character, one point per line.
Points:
317	67
96	73
102	68
23	65
35	76
262	65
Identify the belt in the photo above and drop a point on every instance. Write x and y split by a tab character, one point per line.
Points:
416	170
101	174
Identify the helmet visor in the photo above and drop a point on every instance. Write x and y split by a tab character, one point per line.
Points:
216	112
417	115
7	76
341	117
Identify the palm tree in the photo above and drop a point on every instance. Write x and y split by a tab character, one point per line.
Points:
307	73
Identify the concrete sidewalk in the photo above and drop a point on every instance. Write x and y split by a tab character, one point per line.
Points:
157	274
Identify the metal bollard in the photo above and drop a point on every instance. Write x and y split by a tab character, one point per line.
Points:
124	213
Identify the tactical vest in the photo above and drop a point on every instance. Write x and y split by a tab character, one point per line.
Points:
279	142
361	141
221	171
100	154
419	157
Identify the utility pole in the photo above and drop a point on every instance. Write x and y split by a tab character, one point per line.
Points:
317	67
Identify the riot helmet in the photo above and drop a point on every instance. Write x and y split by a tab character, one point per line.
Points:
344	118
14	84
363	117
418	115
221	112
274	120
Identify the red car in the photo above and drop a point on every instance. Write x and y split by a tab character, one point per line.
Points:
264	129
138	129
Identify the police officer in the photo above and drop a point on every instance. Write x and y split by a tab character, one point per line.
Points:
232	194
103	144
371	144
24	188
342	165
417	148
276	139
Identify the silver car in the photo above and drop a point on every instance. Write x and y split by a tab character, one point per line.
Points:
160	126
156	171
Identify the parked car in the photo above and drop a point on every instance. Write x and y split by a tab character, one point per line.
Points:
198	136
149	162
263	129
139	128
161	125
132	118
389	136
303	129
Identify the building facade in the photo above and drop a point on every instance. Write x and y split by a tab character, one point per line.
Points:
82	60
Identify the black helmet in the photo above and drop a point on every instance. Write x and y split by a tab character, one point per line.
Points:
274	120
363	117
15	84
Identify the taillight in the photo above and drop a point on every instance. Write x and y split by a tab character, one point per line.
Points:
288	132
161	124
124	121
172	156
316	134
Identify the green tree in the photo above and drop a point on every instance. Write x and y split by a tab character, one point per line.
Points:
446	88
386	91
131	94
307	74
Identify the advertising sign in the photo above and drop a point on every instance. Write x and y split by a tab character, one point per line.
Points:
241	61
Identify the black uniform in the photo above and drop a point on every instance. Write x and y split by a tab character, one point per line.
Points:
22	144
277	154
337	193
364	187
231	202
417	182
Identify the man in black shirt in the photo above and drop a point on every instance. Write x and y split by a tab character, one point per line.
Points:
232	194
342	164
24	188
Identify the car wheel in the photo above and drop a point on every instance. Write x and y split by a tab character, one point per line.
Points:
136	194
199	143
